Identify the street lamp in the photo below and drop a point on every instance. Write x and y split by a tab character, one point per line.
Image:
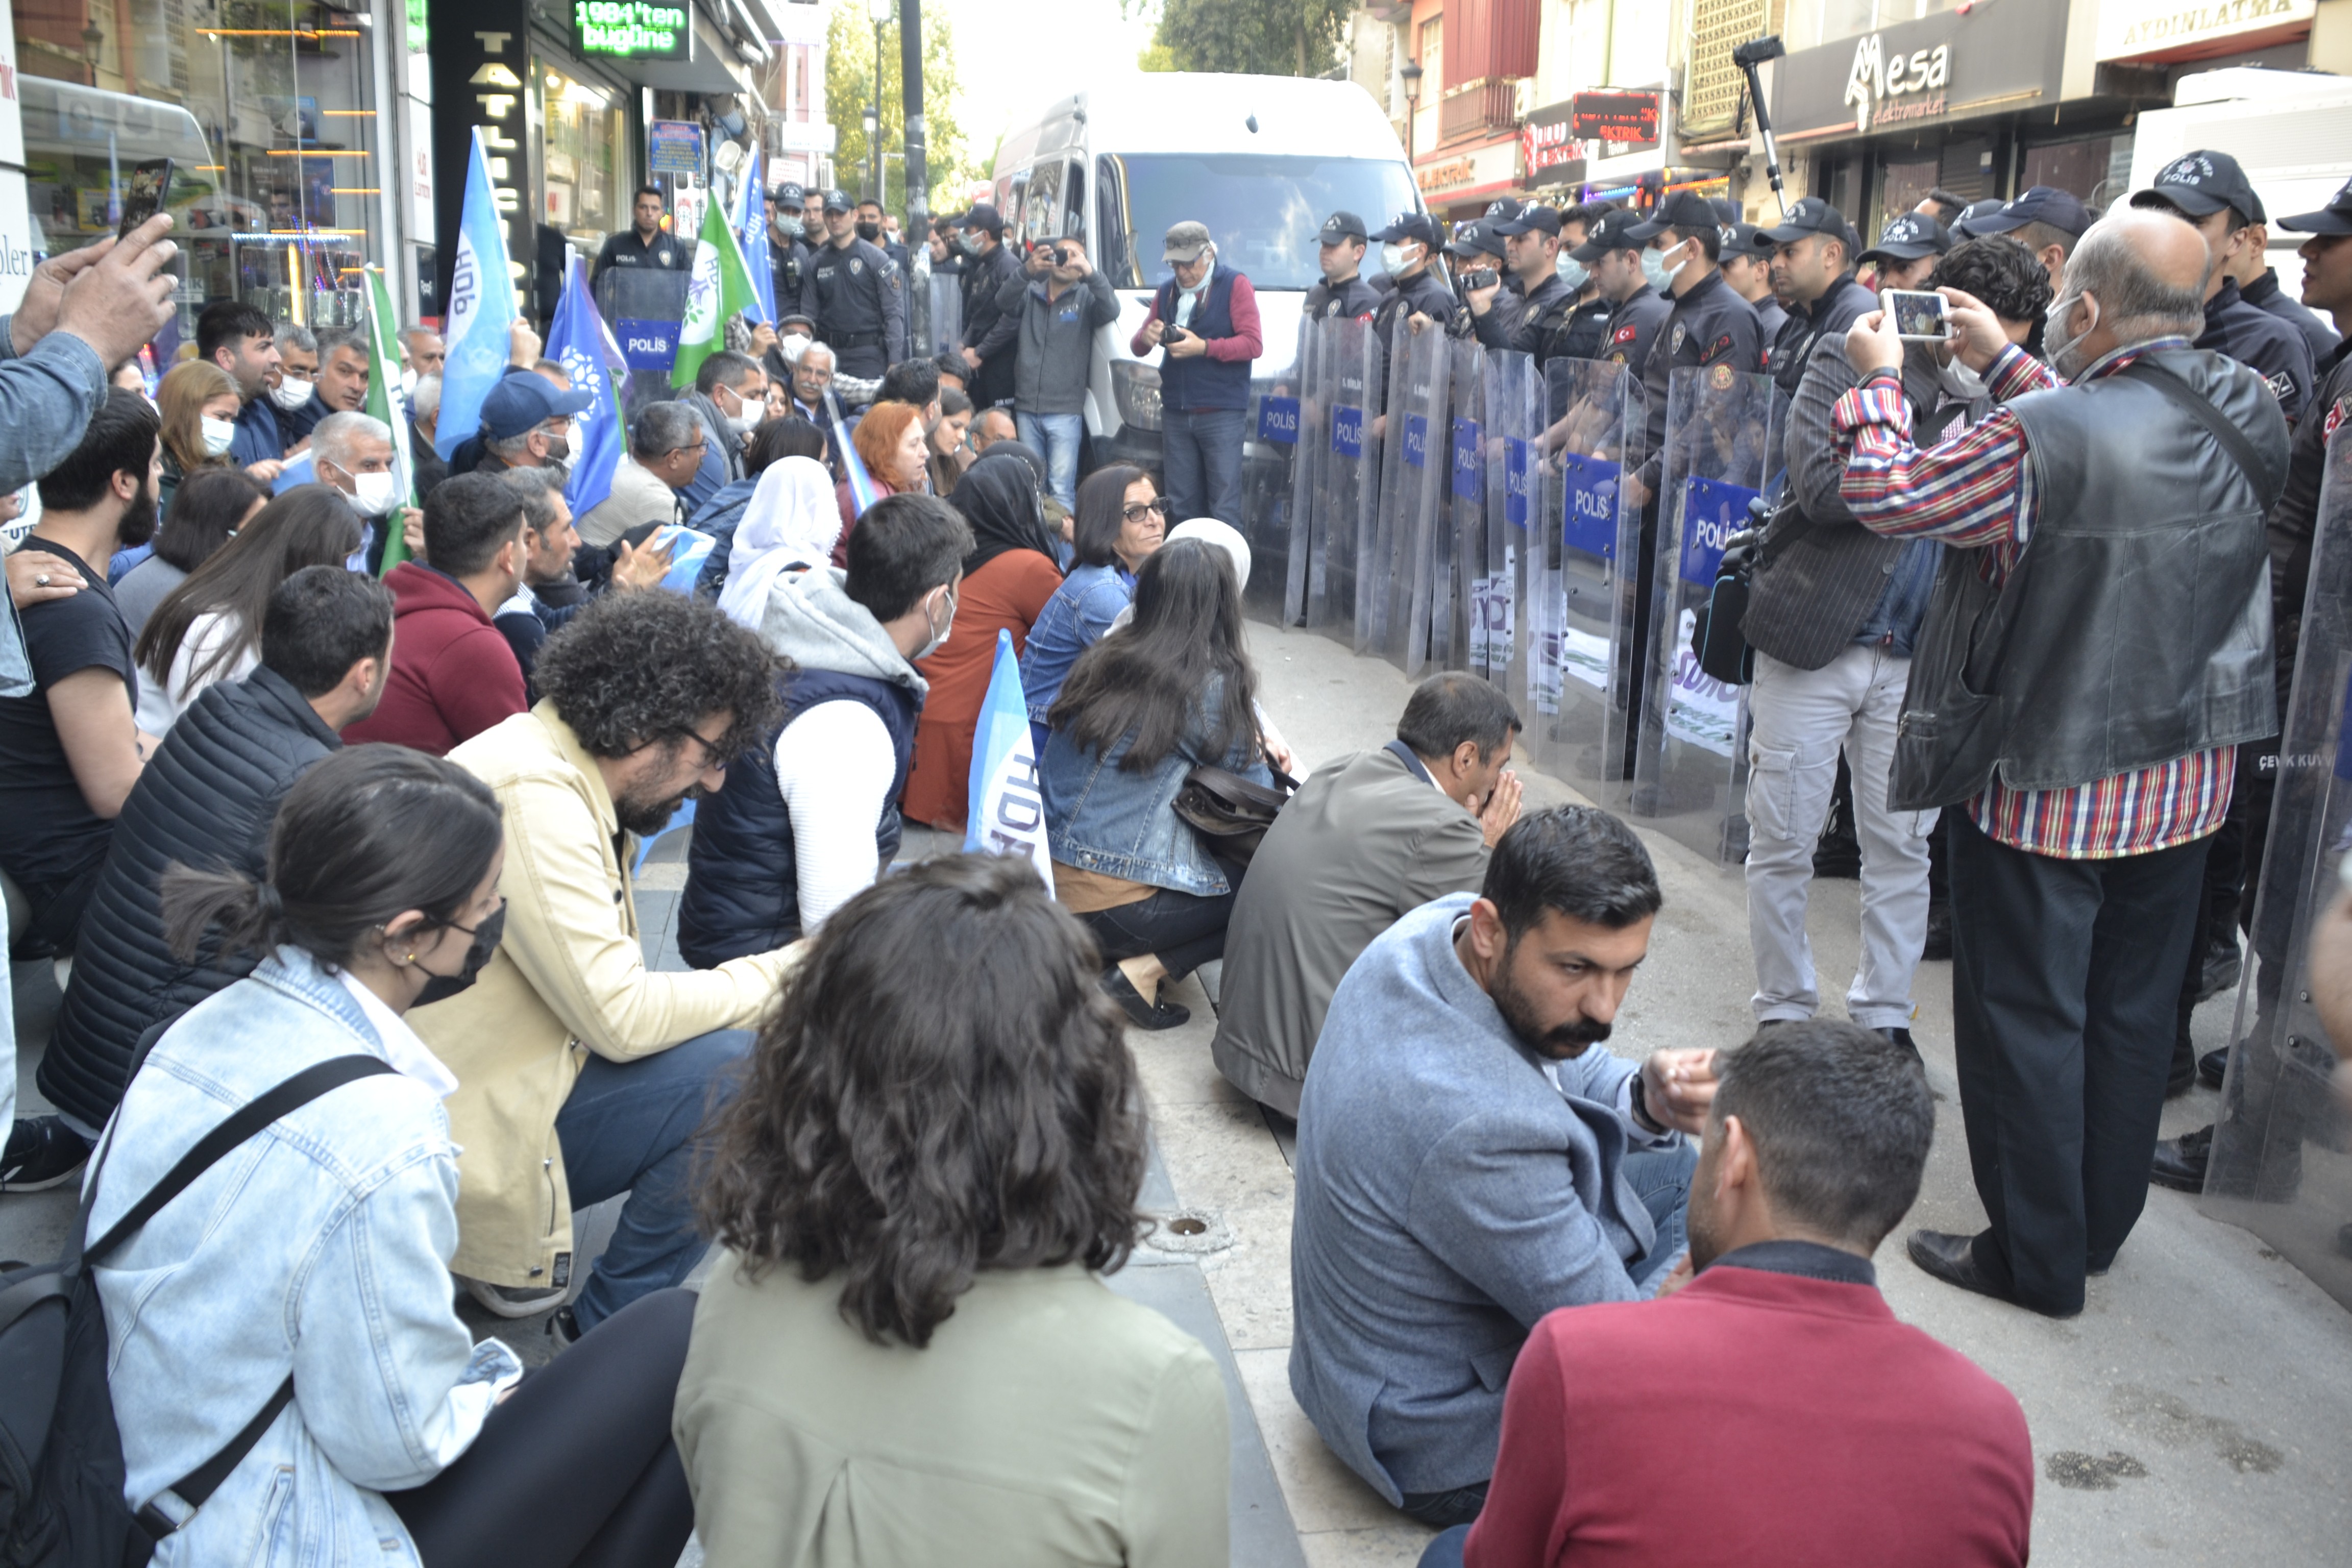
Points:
880	11
1410	77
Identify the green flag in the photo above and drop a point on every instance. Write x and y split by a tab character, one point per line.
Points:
721	287
385	403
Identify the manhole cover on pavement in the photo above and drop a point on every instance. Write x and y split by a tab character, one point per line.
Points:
1188	1232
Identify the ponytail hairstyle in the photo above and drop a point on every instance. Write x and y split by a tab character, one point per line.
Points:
368	833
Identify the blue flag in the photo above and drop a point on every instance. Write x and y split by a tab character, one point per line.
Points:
1007	809
578	340
751	228
853	466
482	308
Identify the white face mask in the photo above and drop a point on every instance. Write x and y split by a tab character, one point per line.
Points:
746	422
1397	258
1961	382
1660	275
290	392
1575	274
375	494
2064	356
791	345
941	636
408	382
218	434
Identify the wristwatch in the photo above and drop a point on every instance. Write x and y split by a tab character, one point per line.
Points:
1641	1107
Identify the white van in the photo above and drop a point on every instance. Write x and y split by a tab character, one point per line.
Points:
1262	160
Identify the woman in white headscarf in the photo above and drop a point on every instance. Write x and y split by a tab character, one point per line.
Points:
791	524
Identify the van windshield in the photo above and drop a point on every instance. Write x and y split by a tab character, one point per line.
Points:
1265	213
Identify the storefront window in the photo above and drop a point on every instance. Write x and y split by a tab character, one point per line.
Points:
266	109
586	154
1901	182
1846	18
2096	168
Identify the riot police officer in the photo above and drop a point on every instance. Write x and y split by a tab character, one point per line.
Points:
858	295
1409	253
1341	293
992	335
1636	310
1475	252
2211	192
1747	267
1907	251
1708	325
788	247
1530	313
1812	274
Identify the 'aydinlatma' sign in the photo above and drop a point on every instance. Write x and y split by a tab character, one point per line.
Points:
634	29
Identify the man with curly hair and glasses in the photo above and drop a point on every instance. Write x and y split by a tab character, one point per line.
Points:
583	1074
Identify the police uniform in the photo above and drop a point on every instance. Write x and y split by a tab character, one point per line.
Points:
666	251
1582	333
1841	304
1351	297
1632	326
2264	294
857	297
2196	185
1708	326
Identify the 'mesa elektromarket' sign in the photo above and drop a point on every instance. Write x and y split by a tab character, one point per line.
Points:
634	29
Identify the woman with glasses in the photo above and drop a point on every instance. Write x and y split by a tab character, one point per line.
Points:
304	1274
1171	691
1121	518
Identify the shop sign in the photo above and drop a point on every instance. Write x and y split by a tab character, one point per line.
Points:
1491	167
482	68
2139	30
674	147
20	248
1883	90
1956	62
1445	177
1548	153
634	29
1614	117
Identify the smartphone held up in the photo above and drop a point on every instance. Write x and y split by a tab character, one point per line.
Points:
144	191
1918	315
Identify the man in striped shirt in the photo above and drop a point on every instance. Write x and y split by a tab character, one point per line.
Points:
2079	696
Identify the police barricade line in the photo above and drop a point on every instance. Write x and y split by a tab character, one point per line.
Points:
1351	470
1514	423
945	330
1690	763
1269	441
1572	664
2278	1164
1309	400
1377	628
1458	545
1424	464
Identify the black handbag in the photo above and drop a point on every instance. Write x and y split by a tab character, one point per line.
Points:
1230	812
1716	638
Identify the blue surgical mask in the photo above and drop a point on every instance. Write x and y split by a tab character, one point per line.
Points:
1575	274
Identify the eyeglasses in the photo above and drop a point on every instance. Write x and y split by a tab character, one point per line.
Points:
1140	510
712	763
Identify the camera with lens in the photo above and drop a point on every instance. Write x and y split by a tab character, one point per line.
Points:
1479	277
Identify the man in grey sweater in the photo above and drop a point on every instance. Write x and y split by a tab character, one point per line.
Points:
1060	301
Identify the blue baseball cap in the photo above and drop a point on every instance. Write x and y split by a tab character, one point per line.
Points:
524	400
2061	210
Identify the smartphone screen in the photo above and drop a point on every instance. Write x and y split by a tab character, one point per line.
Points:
1918	314
143	193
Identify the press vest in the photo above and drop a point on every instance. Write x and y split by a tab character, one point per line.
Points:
1202	382
2136	628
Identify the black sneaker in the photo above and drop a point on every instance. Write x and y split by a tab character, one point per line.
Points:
1902	1038
2213	1065
2224	965
1153	1016
563	1328
1939	945
43	1152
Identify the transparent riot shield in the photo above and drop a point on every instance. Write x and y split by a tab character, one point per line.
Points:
643	306
946	293
1690	766
1458	547
1515	421
1412	474
1575	668
1269	448
1351	467
2280	1164
1303	582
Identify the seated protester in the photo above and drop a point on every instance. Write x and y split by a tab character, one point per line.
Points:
208	628
729	399
722	514
314	1258
1172	691
584	1073
1467	1161
949	457
916	1197
1365	839
550	545
790	526
526	424
890	442
666	447
203	515
70	750
1007	579
199	405
1832	1432
352	452
1121	520
808	813
453	675
206	799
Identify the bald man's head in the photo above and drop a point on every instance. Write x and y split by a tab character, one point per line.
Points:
2137	275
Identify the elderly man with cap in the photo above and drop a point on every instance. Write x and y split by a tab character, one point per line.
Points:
1747	263
1205	319
1636	310
992	335
1530	313
2210	191
1812	274
1341	293
788	250
856	294
647	243
527	422
2045	220
1907	251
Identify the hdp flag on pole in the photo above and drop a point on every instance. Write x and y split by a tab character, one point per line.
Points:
853	466
385	401
1007	810
721	286
577	340
751	225
482	309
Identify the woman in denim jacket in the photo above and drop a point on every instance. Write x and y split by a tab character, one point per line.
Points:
317	1248
1168	692
1119	521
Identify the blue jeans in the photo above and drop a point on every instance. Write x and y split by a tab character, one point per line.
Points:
1660	1178
1055	438
1201	451
1445	1551
629	1127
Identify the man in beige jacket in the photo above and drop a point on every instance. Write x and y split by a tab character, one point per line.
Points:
582	1073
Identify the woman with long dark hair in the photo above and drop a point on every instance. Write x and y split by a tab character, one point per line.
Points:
1120	519
209	627
904	1351
312	1259
204	514
199	404
1171	691
1007	580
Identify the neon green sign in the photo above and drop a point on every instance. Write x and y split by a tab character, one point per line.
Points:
634	29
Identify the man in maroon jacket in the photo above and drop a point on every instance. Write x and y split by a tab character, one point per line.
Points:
1821	1429
452	673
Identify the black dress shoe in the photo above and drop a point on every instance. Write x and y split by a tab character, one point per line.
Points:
2179	1163
1940	934
2213	1065
1902	1038
1953	1260
1153	1016
2224	965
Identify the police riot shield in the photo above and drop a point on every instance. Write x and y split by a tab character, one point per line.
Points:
1514	421
1576	664
2280	1165
1269	449
1350	470
1690	767
1303	585
643	306
1458	547
1413	476
945	294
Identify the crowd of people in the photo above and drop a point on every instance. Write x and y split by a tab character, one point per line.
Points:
297	769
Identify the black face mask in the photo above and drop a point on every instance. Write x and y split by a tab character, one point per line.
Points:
441	987
869	231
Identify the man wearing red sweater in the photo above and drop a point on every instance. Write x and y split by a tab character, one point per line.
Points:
452	673
1821	1429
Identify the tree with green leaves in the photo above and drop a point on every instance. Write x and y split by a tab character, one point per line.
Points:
1258	38
849	90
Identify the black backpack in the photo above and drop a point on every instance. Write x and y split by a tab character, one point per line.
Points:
60	1453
